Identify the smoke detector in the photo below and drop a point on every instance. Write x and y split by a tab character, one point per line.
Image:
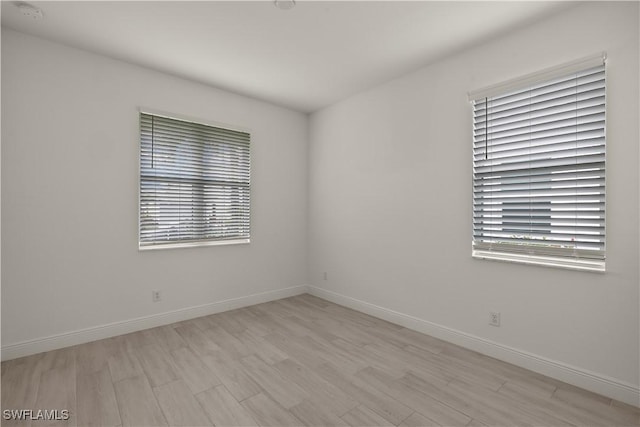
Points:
284	4
29	11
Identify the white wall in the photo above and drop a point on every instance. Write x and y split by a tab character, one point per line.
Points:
70	141
390	204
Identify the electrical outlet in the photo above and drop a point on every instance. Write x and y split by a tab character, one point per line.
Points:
324	275
494	318
30	11
155	296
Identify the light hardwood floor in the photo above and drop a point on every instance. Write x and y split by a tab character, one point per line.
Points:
292	362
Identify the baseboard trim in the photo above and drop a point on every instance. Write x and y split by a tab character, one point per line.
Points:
597	383
66	339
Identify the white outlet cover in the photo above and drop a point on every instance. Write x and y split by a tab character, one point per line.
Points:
494	319
30	11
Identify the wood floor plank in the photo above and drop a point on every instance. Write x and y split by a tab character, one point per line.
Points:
528	389
314	415
202	323
227	342
346	331
114	344
459	355
193	371
238	318
256	344
197	340
332	354
299	307
265	325
20	386
124	364
418	420
91	357
269	413
315	330
228	322
531	397
476	423
57	391
463	371
532	385
367	358
179	406
425	342
223	409
364	417
325	394
313	300
485	365
436	411
167	337
4	366
501	408
232	375
286	393
389	336
302	310
59	359
252	322
286	322
384	405
139	338
634	411
96	400
462	401
352	316
594	404
294	349
156	364
274	310
580	397
137	403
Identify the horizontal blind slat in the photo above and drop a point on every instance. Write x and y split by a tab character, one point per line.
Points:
194	182
539	168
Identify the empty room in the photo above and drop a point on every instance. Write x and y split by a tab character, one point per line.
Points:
320	213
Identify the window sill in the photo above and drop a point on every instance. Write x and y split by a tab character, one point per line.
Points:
194	244
567	263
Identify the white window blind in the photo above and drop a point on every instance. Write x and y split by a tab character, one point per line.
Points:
539	171
194	183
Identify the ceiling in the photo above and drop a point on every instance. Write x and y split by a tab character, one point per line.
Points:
304	58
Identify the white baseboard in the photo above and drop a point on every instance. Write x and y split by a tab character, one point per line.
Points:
66	339
597	383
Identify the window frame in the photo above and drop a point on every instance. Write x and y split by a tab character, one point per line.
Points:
187	243
550	260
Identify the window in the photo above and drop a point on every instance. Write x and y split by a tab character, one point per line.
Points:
539	168
194	183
